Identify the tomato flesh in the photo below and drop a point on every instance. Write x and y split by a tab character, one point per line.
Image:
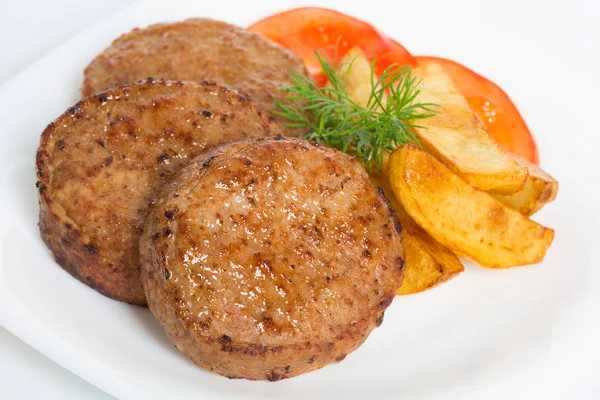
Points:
304	30
396	55
493	107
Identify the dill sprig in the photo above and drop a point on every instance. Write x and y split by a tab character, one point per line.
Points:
367	132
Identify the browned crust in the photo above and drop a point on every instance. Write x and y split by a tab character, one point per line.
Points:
198	49
72	249
223	354
79	254
74	252
91	85
256	362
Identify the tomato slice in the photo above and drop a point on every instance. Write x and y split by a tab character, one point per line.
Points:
396	55
494	108
304	30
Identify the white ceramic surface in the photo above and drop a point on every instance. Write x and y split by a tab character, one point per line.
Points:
527	332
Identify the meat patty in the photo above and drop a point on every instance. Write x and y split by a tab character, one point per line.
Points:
101	162
197	50
268	258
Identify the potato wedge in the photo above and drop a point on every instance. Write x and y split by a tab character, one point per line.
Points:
539	190
428	263
459	140
469	222
356	72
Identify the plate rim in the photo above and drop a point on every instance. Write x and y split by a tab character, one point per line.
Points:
25	328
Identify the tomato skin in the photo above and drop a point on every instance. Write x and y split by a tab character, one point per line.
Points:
493	107
304	30
397	55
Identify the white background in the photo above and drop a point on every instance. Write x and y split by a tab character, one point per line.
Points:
29	29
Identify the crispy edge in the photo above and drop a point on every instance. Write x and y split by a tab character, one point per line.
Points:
239	360
539	190
73	250
487	251
428	263
456	119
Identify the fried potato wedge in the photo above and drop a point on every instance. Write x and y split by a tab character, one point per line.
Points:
469	222
459	140
356	72
428	263
539	190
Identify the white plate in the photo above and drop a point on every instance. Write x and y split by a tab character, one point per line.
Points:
529	332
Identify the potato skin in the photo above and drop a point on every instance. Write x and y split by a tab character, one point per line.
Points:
467	221
539	190
428	263
459	140
269	258
101	162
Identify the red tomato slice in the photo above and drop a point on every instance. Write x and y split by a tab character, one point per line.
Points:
304	30
397	55
494	108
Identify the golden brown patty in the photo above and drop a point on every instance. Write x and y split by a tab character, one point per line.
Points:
197	50
268	258
101	162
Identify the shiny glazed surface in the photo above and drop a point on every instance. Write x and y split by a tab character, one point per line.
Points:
268	258
101	163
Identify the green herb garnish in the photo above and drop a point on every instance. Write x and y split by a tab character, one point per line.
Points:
367	132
